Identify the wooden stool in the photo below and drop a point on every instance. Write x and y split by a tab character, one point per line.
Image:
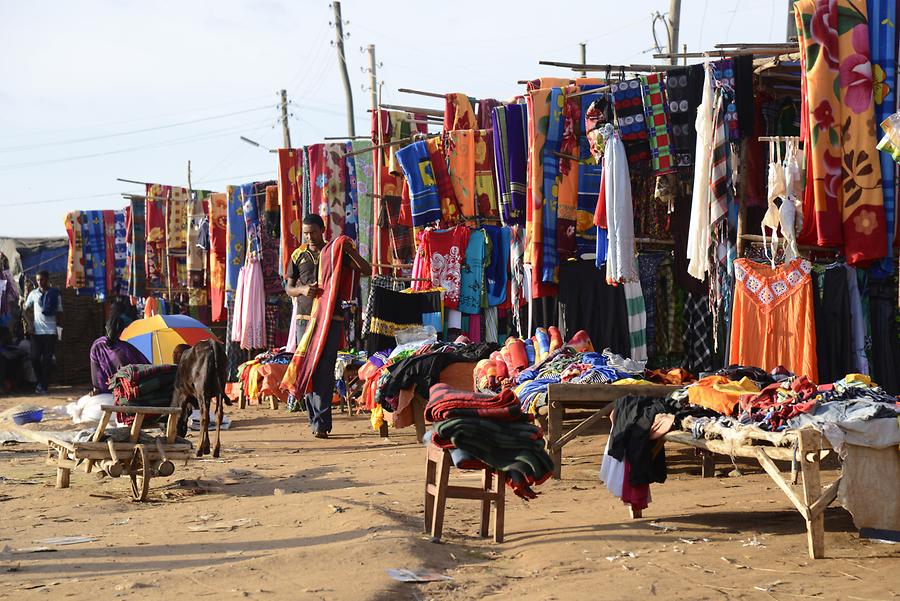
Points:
437	491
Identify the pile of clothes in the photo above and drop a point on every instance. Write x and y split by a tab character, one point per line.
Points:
491	429
263	374
143	386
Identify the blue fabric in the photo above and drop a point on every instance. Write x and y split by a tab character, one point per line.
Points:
351	205
424	199
237	237
95	248
250	203
496	276
602	247
883	43
49	302
471	284
589	175
120	286
550	161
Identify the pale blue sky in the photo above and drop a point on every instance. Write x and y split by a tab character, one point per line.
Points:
79	78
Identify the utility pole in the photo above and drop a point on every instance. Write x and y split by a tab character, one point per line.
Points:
583	57
373	79
284	120
339	31
674	24
791	22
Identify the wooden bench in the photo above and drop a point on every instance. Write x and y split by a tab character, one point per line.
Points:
599	398
438	490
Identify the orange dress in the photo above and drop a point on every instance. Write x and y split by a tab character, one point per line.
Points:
773	322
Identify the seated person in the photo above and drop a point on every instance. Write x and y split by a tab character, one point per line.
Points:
12	363
108	353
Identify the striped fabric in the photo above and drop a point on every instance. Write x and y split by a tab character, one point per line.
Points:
720	200
637	319
550	163
657	122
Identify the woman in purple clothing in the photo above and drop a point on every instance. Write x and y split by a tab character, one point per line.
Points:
109	353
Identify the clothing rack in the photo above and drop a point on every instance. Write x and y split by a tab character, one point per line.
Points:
421	93
629	68
346	138
412	109
412	138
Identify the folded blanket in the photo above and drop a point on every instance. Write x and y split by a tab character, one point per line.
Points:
143	386
446	403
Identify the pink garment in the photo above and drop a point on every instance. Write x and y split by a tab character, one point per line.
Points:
291	344
636	496
475	328
236	322
253	309
439	256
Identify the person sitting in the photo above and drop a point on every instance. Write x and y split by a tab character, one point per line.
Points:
109	353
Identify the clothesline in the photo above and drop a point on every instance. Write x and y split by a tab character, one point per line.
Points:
630	68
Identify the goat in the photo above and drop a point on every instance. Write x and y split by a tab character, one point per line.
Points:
201	378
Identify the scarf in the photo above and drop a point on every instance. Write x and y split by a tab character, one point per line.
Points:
155	257
450	210
236	239
589	176
270	224
461	168
843	203
551	181
95	253
329	183
109	250
485	186
218	237
569	168
496	274
425	203
517	291
698	232
621	265
250	203
75	276
336	281
630	119
657	121
362	171
538	103
723	72
120	253
510	156
684	90
471	281
458	112
196	255
177	237
290	192
137	284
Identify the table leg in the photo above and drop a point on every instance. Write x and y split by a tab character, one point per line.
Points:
554	432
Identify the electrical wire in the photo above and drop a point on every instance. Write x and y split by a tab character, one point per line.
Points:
24	203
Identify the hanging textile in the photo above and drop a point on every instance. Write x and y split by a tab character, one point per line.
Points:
120	253
567	197
290	193
510	136
698	233
684	90
218	250
698	351
237	239
329	185
843	204
657	122
496	274
550	162
637	319
155	216
351	199
723	72
137	281
250	201
517	291
485	113
471	286
461	168
458	112
270	229
774	322
630	119
177	237
485	185
883	39
621	265
589	176
425	203
439	257
95	253
363	172
249	307
538	104
197	225
392	310
75	276
109	250
450	210
721	199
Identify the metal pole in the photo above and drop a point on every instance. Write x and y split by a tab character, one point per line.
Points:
284	121
339	31
674	24
791	22
583	57
373	78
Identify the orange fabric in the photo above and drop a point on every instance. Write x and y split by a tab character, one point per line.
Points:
719	393
461	167
773	322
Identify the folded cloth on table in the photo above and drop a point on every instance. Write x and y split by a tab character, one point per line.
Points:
143	386
460	458
446	403
515	448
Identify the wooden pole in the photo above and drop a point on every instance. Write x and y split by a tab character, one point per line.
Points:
285	129
345	77
674	26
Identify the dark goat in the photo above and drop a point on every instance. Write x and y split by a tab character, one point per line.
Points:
200	379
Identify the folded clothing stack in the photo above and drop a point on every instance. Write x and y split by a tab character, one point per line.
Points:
143	386
493	430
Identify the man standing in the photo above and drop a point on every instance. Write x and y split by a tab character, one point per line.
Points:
303	284
46	303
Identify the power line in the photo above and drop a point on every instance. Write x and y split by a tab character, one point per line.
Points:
54	200
135	131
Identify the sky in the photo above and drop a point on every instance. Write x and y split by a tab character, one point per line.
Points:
97	90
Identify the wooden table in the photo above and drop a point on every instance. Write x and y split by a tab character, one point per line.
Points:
597	397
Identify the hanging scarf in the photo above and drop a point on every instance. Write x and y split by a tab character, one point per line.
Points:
843	204
120	253
336	281
657	121
589	177
329	185
137	284
723	72
551	177
95	253
720	199
485	183
364	188
196	255
471	282
517	290
218	249
496	275
177	236
270	225
510	158
538	102
109	250
425	203
458	112
620	265
450	211
290	192
75	276
250	203
237	240
461	168
155	257
630	119
569	169
698	232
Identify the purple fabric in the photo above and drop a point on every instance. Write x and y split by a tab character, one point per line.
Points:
106	359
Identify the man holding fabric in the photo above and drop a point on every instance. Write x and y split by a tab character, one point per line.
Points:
319	290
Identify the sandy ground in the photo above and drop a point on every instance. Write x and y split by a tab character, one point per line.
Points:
308	519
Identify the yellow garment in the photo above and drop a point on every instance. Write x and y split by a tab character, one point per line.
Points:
862	378
719	393
377	418
627	381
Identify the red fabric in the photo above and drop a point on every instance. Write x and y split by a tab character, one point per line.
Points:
446	403
450	209
290	186
600	211
636	496
218	235
109	231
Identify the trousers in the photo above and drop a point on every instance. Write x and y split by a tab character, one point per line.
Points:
43	348
318	402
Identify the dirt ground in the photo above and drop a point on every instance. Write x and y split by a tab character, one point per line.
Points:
285	516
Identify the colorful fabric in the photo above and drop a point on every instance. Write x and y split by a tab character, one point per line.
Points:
637	319
250	202
75	276
538	103
698	353
843	204
290	194
550	181
720	199
569	169
351	196
415	160
517	291
439	257
590	172
249	328
270	227
510	159
137	281
363	173
156	266
656	119
336	281
461	168
630	119
218	249
723	72
458	112
177	237
328	175
446	403
496	274
684	88
120	254
450	210
485	187
196	256
237	239
109	250
471	286
95	253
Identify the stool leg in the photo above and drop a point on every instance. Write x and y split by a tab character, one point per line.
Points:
500	507
487	480
430	469
440	501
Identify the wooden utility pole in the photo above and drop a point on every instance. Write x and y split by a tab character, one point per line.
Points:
791	22
342	63
583	57
373	78
285	130
674	24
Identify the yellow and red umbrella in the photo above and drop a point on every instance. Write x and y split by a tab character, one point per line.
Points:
156	337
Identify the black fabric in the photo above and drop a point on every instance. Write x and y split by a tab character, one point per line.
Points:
397	308
884	359
544	312
630	437
43	348
592	305
744	93
423	371
679	225
684	92
305	271
831	306
760	377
